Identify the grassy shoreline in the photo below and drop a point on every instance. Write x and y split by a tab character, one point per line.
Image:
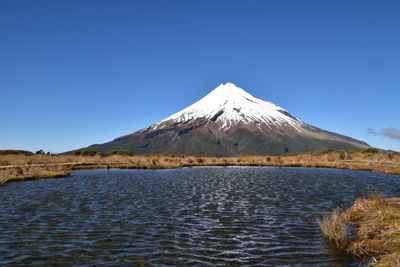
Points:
24	167
377	220
377	230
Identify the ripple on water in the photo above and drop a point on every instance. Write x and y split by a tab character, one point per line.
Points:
191	216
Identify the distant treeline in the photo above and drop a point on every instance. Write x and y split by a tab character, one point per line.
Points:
15	152
92	152
343	154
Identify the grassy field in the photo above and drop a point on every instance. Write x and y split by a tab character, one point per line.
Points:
377	234
22	167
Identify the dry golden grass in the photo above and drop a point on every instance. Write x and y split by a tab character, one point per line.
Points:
388	260
377	222
378	226
29	173
334	229
355	160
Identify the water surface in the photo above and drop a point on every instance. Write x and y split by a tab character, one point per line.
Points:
210	216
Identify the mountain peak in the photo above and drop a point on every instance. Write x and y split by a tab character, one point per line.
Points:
228	90
228	121
228	87
228	105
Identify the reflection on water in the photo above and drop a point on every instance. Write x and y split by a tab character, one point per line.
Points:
213	216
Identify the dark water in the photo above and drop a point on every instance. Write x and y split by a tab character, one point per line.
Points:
194	216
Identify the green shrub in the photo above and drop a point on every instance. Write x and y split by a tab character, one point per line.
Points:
76	153
119	152
390	155
371	150
40	152
88	152
100	154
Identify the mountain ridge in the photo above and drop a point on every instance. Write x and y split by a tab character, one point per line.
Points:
229	122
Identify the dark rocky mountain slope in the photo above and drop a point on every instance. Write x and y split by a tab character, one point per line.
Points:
230	122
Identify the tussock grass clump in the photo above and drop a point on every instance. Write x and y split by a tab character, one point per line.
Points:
377	234
378	226
334	229
388	260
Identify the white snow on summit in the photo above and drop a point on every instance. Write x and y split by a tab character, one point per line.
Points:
228	105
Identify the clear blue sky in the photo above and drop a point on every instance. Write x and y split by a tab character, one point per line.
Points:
74	73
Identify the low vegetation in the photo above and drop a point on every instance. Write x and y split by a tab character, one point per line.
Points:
377	229
32	172
42	165
334	228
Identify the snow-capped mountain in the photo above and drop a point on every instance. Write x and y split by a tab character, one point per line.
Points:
228	105
229	122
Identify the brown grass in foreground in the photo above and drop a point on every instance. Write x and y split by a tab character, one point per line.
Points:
42	165
377	235
334	228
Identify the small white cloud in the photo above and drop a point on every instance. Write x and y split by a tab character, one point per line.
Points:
372	131
391	133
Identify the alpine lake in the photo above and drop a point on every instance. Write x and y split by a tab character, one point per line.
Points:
206	216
